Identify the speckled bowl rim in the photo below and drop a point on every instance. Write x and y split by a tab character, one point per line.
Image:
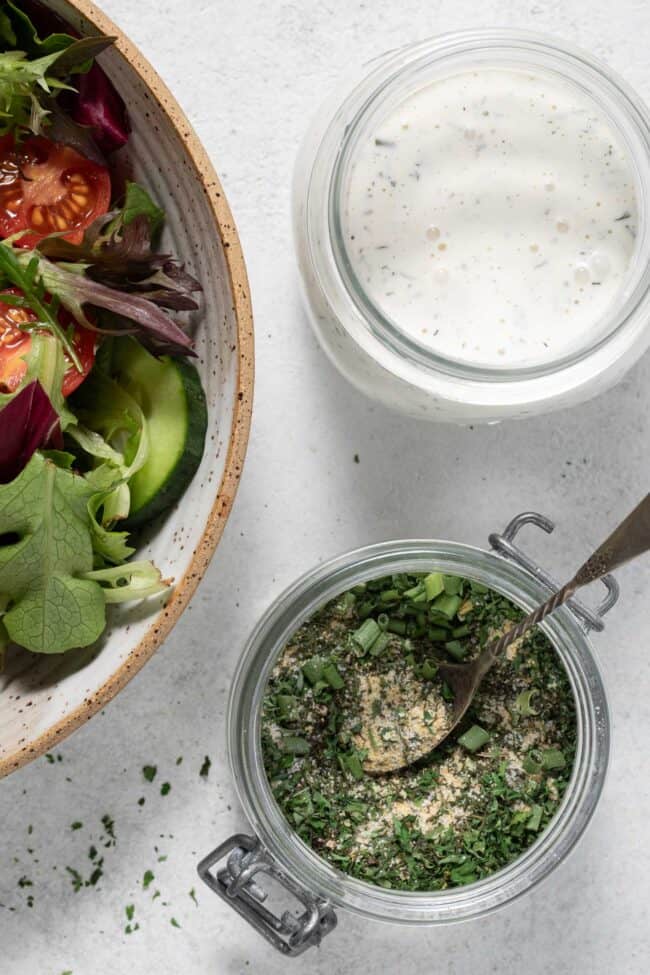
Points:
242	410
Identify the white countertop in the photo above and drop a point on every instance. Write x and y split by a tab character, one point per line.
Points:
249	74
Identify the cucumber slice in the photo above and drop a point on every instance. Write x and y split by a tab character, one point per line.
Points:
169	392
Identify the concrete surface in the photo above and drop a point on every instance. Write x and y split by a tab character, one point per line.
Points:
249	73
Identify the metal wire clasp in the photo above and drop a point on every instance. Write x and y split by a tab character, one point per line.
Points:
504	545
290	933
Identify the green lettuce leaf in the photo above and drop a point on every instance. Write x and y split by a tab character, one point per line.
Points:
43	514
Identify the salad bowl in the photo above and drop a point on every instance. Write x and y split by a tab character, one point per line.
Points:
44	697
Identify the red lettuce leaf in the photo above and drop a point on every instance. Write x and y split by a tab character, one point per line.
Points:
27	422
97	104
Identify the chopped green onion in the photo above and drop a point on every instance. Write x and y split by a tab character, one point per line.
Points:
313	670
366	635
523	703
383	620
535	820
429	670
437	634
379	645
552	759
365	609
396	626
389	596
332	676
453	585
532	763
447	605
293	745
434	584
414	592
478	588
456	649
474	738
461	630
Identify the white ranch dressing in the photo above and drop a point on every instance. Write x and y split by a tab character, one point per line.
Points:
491	217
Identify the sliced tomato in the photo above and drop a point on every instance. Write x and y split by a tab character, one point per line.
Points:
16	343
47	187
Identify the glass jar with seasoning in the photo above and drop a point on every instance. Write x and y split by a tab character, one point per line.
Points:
236	869
471	225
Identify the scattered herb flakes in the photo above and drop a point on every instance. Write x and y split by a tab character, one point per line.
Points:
109	829
76	825
147	879
141	801
204	771
466	813
192	894
162	858
149	772
179	760
174	923
356	458
129	910
75	878
165	789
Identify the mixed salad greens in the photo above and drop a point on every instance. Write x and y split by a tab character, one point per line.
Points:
102	416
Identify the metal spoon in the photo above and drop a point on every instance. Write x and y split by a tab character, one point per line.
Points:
631	538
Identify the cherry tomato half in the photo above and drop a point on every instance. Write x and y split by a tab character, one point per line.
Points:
15	345
47	187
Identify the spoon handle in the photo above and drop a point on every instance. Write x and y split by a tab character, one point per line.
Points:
631	538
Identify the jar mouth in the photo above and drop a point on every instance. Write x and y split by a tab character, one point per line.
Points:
407	70
291	609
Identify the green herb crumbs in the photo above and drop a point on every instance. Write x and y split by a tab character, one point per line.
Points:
75	878
205	767
109	829
76	825
149	772
129	910
174	922
192	894
147	879
165	789
480	799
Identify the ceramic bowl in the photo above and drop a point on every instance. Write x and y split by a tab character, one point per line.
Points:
44	698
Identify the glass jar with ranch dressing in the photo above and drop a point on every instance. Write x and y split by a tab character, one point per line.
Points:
471	224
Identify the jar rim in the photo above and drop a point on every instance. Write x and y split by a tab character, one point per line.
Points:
292	608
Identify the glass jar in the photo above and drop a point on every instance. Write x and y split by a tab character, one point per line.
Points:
364	344
277	851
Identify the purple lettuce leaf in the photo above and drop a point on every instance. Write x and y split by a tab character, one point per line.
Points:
27	422
122	258
97	104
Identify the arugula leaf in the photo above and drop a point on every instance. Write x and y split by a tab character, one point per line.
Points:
52	607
